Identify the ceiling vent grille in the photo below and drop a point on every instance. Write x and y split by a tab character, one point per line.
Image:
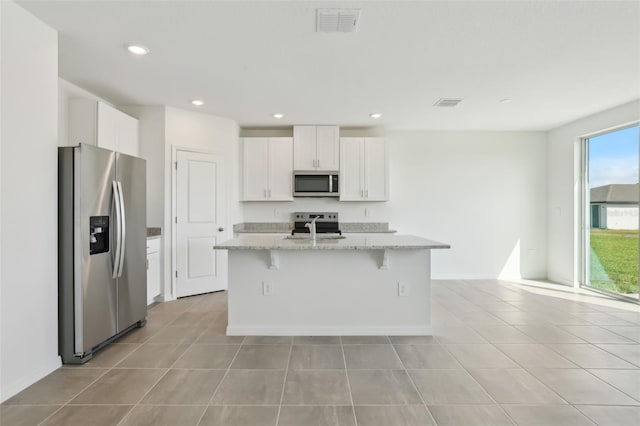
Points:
337	20
447	102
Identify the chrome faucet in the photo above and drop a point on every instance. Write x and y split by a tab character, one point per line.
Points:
312	229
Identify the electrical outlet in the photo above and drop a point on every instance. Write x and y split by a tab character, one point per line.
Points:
276	212
403	288
267	289
367	212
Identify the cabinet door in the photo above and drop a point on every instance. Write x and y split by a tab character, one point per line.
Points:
153	276
255	168
83	122
327	148
107	132
351	169
304	147
280	169
128	135
375	169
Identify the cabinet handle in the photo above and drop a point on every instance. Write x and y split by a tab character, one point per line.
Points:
318	161
366	193
265	194
269	194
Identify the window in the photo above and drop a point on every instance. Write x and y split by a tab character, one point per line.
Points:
610	212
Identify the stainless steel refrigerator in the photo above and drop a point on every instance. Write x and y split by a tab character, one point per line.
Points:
102	277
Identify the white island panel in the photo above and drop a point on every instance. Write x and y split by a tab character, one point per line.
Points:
348	286
325	293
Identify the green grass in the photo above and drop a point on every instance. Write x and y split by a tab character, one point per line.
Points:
614	260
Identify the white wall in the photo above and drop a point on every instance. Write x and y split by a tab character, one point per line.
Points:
204	132
482	192
29	246
151	122
563	154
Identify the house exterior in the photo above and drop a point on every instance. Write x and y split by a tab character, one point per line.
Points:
615	206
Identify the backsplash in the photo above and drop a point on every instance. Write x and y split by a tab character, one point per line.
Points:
285	227
349	211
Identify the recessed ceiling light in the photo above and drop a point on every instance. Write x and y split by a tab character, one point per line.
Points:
197	102
506	100
136	49
375	115
278	115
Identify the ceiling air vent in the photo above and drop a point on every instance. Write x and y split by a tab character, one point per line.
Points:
337	20
447	103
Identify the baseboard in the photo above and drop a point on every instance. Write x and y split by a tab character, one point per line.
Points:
329	331
26	381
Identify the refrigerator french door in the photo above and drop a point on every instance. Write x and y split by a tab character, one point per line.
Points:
102	248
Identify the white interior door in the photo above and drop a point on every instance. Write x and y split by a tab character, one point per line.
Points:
200	223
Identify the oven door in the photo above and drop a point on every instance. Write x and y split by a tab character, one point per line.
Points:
314	184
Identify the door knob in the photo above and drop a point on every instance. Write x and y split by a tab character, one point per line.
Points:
220	229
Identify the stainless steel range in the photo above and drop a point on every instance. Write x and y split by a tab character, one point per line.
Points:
326	223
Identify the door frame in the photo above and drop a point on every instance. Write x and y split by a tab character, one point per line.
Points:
583	225
174	207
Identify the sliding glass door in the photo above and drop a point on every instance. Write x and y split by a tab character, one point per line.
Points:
611	221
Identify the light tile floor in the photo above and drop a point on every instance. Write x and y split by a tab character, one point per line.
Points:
501	354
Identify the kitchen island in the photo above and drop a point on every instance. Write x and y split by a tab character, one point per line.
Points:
358	285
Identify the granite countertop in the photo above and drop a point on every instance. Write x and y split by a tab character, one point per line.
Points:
352	242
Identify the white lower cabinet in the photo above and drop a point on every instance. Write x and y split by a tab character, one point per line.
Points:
153	269
364	171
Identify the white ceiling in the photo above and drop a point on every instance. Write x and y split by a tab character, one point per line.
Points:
557	60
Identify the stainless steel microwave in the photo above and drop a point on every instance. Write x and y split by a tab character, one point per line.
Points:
315	184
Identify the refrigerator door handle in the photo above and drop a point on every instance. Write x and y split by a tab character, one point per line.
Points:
123	227
118	220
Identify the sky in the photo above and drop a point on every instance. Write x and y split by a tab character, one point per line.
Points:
613	157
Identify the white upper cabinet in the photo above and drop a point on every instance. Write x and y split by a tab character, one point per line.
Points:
376	169
364	171
267	169
304	147
99	124
316	148
255	168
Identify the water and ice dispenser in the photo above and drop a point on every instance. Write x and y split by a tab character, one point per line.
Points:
98	234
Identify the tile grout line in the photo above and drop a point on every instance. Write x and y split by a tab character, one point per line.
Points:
224	376
114	366
522	367
346	373
284	384
75	396
536	378
611	384
161	376
632	341
108	369
415	387
548	345
555	307
482	387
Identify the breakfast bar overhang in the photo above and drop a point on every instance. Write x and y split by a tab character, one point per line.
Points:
359	285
